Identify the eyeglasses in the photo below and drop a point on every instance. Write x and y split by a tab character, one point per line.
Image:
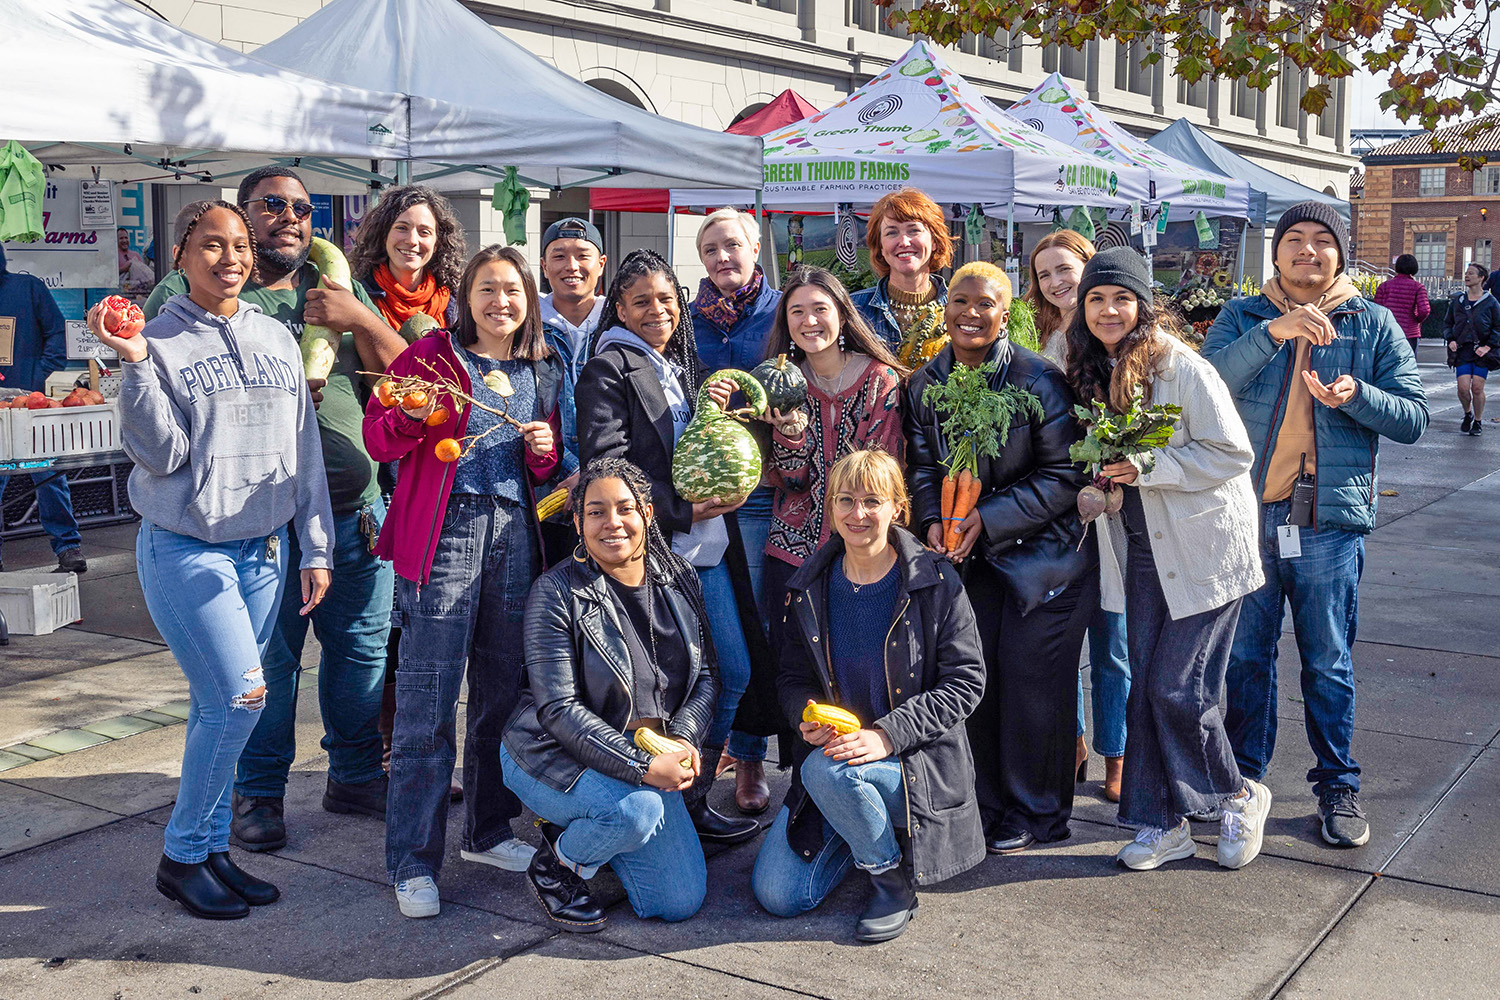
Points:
275	206
844	503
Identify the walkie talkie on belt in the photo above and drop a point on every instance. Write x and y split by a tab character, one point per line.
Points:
1304	492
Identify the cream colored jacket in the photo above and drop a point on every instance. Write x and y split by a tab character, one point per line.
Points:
1200	506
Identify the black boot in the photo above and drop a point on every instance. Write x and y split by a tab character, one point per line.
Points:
252	890
366	798
892	908
198	890
562	892
712	825
257	824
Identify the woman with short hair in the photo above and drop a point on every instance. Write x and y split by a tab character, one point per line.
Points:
1406	298
908	239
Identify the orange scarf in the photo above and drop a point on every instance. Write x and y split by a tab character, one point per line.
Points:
398	305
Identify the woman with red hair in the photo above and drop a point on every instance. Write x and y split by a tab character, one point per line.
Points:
909	242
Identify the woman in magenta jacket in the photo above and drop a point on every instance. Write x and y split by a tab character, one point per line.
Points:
1406	298
464	539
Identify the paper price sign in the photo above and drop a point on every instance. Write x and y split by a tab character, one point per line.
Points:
83	345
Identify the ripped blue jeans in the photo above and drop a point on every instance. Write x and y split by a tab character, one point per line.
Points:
214	603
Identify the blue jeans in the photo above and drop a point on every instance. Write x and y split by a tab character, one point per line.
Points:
470	611
214	604
861	806
755	528
729	644
352	624
1109	681
1323	587
54	508
645	835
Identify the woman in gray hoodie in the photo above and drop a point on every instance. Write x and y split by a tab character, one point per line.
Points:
216	415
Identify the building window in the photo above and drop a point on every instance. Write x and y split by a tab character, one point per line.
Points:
1432	182
1007	51
1488	180
866	15
1431	251
1242	100
787	6
1074	64
1130	75
1194	95
1484	251
1290	84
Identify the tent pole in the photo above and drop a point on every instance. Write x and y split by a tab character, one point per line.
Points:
671	236
403	172
1010	242
1239	276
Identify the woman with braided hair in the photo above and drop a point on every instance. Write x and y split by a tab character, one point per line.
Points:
635	398
646	662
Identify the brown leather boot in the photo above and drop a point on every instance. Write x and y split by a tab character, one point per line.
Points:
1114	769
751	793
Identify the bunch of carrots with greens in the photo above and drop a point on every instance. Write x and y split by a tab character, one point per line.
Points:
976	423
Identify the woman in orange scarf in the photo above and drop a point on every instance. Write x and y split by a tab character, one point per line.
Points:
409	253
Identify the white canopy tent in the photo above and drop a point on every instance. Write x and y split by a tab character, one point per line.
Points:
101	83
490	104
1057	109
920	124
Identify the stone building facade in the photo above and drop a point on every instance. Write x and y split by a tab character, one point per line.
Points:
1423	201
708	62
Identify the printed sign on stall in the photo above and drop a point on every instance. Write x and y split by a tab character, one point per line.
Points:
96	204
68	255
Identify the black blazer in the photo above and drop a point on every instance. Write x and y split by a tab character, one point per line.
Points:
577	696
622	413
1028	499
935	675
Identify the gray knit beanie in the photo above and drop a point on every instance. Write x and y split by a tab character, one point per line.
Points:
1117	266
1321	213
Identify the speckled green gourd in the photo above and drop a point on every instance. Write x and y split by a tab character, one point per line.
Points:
416	326
716	457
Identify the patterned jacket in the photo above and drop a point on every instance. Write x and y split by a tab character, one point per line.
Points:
867	414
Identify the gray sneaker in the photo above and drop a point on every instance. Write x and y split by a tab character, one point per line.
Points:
1243	825
1344	823
1154	847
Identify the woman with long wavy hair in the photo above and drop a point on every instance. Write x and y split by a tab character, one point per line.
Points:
409	254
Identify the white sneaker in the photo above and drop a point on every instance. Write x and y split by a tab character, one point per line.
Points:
1243	826
1154	847
418	897
513	855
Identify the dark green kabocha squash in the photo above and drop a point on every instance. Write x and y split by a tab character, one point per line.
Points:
785	387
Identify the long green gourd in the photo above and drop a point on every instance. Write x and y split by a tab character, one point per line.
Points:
716	457
320	345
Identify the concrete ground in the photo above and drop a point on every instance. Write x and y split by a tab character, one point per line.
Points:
1413	914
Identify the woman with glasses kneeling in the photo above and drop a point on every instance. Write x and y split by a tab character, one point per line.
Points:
896	797
616	641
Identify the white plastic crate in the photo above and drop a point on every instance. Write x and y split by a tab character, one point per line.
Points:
53	433
39	603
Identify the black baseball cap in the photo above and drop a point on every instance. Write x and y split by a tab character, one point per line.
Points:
573	229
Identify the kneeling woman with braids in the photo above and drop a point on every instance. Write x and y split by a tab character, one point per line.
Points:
616	640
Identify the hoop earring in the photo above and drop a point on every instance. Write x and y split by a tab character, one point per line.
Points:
580	548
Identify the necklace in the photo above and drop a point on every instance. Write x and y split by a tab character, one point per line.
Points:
857	584
837	385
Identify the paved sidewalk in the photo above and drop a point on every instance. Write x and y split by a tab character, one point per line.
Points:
1413	914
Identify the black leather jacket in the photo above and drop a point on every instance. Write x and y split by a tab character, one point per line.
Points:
577	697
1029	494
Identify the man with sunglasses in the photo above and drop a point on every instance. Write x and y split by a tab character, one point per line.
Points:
1319	375
353	622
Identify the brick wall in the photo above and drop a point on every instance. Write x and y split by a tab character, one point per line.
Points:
1393	211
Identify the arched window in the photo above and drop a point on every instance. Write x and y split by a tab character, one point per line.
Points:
749	110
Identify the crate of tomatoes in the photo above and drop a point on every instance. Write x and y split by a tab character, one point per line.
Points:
34	426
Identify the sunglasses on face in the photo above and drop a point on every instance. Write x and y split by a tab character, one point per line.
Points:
274	206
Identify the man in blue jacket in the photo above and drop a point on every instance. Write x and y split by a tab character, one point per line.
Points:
32	347
1319	375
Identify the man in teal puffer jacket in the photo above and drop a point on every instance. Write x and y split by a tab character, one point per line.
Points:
1319	375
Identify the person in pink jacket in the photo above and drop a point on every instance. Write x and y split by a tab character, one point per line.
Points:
1406	298
463	535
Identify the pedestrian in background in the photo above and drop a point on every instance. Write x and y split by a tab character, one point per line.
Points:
1195	498
1315	411
733	313
1471	328
32	338
1406	298
215	496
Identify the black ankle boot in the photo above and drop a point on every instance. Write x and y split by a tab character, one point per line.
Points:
562	892
710	824
252	890
891	909
198	890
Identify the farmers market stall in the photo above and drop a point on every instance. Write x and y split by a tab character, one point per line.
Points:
479	103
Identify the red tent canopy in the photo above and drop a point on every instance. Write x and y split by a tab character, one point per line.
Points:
788	107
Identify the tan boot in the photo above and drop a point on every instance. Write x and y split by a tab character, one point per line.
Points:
751	793
1081	761
726	763
1114	768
